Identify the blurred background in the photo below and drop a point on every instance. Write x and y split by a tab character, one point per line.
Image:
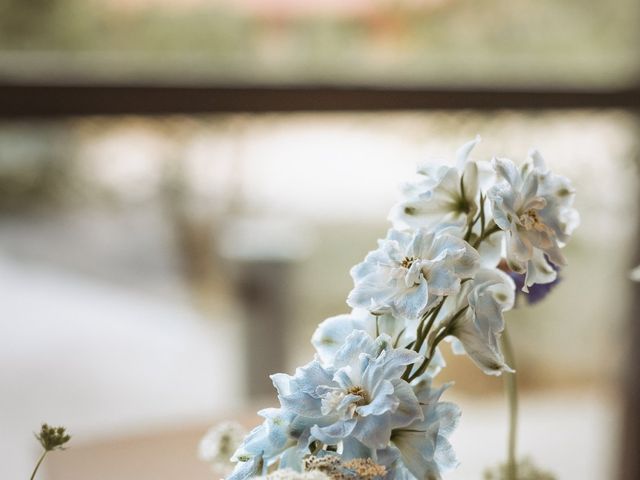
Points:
155	268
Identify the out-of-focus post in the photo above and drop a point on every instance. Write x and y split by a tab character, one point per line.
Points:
630	444
264	253
263	289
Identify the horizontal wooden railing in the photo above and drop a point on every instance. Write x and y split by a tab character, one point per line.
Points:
60	100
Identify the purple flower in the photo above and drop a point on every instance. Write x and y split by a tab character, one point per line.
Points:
537	291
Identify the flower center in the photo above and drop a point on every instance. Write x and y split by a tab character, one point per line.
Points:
530	220
407	262
361	392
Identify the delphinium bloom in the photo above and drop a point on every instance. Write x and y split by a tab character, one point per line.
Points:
332	333
362	396
536	292
281	439
477	319
410	271
534	207
442	195
355	402
424	448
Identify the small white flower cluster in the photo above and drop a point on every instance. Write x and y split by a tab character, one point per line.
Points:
289	474
219	443
444	271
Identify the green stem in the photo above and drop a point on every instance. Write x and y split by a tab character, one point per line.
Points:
423	330
444	333
492	228
511	390
33	475
425	363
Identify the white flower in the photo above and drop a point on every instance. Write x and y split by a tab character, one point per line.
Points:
331	334
534	207
289	474
479	327
362	396
409	272
442	195
278	440
219	443
424	447
635	274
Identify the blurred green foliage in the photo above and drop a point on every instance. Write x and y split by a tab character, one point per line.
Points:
37	167
573	41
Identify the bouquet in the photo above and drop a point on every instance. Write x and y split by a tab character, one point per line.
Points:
464	241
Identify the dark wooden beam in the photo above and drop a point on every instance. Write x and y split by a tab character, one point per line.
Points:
56	100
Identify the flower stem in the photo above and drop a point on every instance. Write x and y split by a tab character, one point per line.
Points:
33	475
490	230
511	391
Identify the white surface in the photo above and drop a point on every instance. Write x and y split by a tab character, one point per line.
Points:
102	361
572	434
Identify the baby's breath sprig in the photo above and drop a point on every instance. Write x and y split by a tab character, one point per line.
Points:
51	438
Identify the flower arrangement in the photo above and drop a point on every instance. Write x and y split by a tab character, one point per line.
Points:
464	241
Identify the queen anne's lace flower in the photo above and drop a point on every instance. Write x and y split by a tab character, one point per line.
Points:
410	271
219	443
289	474
534	207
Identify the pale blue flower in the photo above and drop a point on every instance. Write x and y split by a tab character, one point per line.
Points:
280	438
534	207
332	333
410	271
441	195
248	466
361	396
479	327
424	448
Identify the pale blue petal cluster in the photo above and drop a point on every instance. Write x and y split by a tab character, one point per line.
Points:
436	275
410	270
534	207
362	395
425	451
280	438
441	195
332	333
479	328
